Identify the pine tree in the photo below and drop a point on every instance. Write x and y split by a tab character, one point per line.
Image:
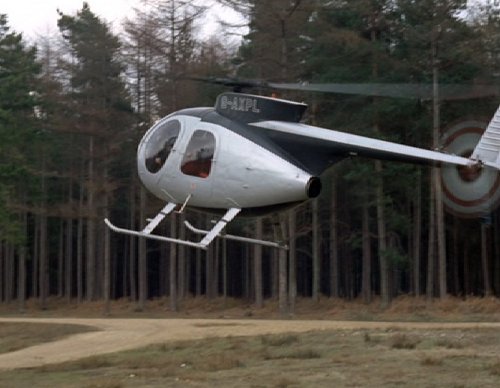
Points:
18	87
102	115
18	101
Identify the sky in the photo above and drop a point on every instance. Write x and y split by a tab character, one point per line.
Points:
36	18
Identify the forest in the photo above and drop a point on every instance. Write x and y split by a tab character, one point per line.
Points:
74	106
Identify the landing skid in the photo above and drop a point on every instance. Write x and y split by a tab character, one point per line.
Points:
208	235
238	238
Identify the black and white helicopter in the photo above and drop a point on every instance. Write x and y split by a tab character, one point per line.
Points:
252	155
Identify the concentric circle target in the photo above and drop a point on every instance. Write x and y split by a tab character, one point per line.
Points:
468	191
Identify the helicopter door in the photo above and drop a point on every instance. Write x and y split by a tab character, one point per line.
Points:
197	163
197	160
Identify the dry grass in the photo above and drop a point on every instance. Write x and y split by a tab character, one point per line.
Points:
495	368
403	308
450	343
431	361
279	340
341	358
404	341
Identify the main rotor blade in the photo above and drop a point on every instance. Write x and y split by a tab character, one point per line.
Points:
235	83
398	90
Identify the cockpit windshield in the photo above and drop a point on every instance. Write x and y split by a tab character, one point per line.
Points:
160	144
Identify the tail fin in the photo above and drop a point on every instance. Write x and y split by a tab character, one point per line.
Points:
488	149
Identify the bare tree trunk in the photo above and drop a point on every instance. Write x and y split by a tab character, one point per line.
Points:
215	283
114	270
334	259
367	258
9	272
315	251
36	259
247	275
382	238
438	191
257	263
21	279
275	271
173	265
210	271
224	268
198	272
455	255
42	274
441	238
292	262
379	191
467	275
282	268
69	259
432	246
79	250
91	249
99	258
417	234
133	246
283	296
4	252
484	260
2	269
142	261
163	281
60	260
496	256
107	256
182	260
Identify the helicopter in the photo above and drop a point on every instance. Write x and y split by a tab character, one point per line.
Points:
252	155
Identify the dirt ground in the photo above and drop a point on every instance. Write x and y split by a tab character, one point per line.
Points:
118	333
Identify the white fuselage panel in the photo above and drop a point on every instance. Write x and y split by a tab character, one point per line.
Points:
243	174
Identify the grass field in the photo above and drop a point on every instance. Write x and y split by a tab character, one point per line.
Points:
392	357
347	358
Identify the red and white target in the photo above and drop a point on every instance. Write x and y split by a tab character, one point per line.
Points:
468	191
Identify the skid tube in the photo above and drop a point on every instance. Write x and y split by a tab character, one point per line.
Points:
239	238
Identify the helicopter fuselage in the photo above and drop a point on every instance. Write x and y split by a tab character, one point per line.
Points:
252	155
197	157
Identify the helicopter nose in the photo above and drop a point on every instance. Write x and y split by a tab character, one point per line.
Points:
313	187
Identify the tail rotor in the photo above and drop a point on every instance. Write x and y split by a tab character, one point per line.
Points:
472	191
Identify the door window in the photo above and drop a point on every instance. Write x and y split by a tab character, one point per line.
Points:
199	154
160	145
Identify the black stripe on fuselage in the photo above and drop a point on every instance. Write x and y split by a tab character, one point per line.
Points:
254	134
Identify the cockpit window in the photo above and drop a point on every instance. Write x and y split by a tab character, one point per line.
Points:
160	144
199	154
